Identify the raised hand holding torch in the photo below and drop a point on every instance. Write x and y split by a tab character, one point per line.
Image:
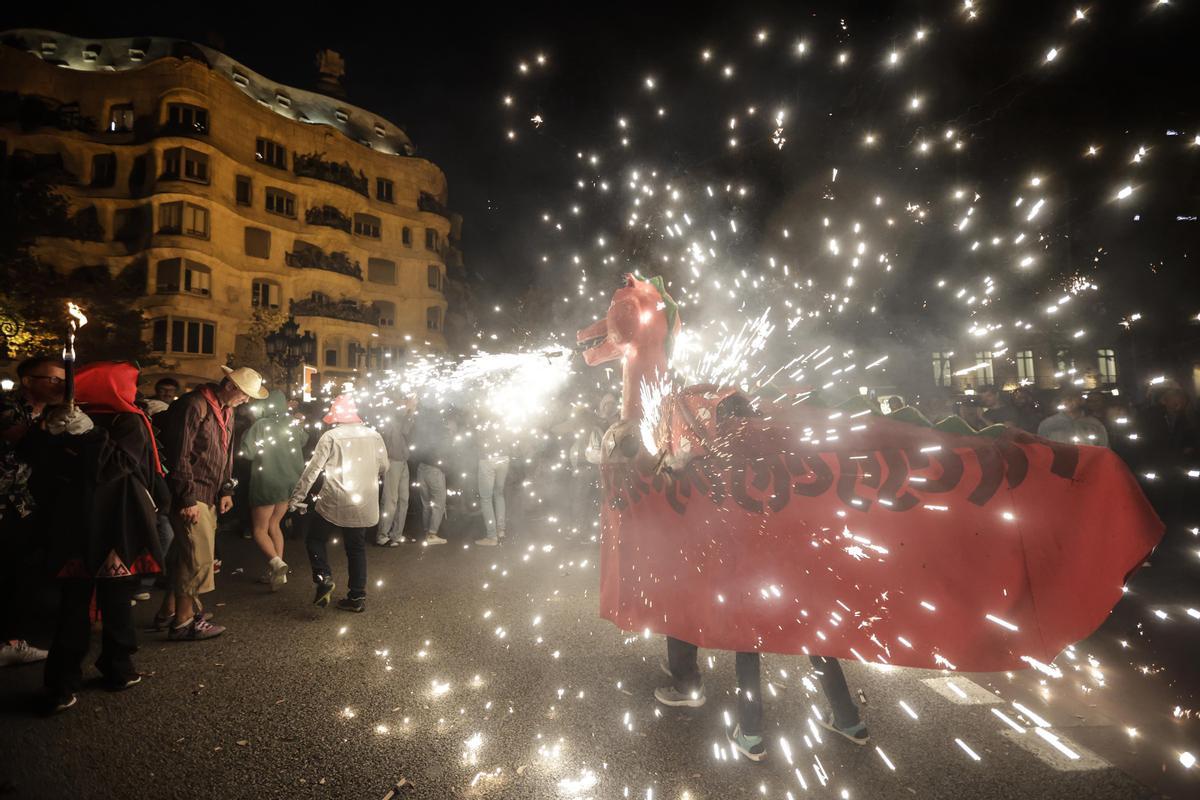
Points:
77	320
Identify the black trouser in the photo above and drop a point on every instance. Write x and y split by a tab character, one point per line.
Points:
354	540
685	672
118	642
833	683
16	554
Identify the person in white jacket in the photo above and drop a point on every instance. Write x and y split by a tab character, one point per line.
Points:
352	457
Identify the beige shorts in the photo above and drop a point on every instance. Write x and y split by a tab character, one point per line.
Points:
190	558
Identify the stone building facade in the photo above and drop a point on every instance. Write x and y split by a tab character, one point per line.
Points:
236	196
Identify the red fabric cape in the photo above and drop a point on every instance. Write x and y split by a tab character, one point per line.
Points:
892	543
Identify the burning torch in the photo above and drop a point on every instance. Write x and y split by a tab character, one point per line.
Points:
76	321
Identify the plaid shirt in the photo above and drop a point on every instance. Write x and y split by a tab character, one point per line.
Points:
15	497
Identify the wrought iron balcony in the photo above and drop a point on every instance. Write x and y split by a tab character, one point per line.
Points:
345	309
307	256
429	203
329	216
312	165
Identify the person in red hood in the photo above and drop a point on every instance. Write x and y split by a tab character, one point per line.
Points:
103	531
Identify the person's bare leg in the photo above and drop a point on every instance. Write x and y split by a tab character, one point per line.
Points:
274	528
260	523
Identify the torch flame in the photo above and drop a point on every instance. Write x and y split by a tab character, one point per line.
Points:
77	314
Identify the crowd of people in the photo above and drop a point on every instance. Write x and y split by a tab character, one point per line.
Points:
116	494
1161	433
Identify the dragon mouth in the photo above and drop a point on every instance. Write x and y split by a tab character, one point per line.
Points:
595	345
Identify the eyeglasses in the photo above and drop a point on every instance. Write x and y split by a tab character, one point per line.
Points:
53	379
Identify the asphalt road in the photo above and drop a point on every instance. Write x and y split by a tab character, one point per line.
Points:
486	672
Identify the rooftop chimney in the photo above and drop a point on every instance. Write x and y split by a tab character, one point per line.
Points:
330	69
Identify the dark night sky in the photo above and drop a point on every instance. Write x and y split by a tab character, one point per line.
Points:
441	70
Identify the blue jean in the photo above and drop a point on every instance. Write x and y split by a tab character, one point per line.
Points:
431	485
492	475
685	675
395	503
355	542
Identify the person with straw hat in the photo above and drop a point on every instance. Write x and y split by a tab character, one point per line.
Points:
198	439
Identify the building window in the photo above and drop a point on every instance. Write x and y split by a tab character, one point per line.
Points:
387	313
433	318
431	239
242	191
985	375
104	169
1064	361
367	225
270	153
1025	367
1106	365
258	242
183	163
941	369
187	118
264	294
354	354
384	190
193	336
281	202
380	270
332	346
183	275
120	118
434	277
406	236
158	341
186	218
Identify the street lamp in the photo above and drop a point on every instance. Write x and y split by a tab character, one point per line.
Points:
288	348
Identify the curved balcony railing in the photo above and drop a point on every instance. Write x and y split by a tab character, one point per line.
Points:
313	257
345	309
329	216
312	165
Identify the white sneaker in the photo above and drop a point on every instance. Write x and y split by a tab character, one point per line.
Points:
20	652
487	542
433	538
278	575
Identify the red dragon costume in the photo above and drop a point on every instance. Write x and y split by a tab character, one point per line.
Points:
809	530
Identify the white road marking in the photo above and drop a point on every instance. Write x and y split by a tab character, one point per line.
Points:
1053	755
961	691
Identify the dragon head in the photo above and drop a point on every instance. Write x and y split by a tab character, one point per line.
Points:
640	328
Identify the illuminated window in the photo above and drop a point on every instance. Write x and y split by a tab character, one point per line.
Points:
1025	367
941	369
1106	364
984	373
120	118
